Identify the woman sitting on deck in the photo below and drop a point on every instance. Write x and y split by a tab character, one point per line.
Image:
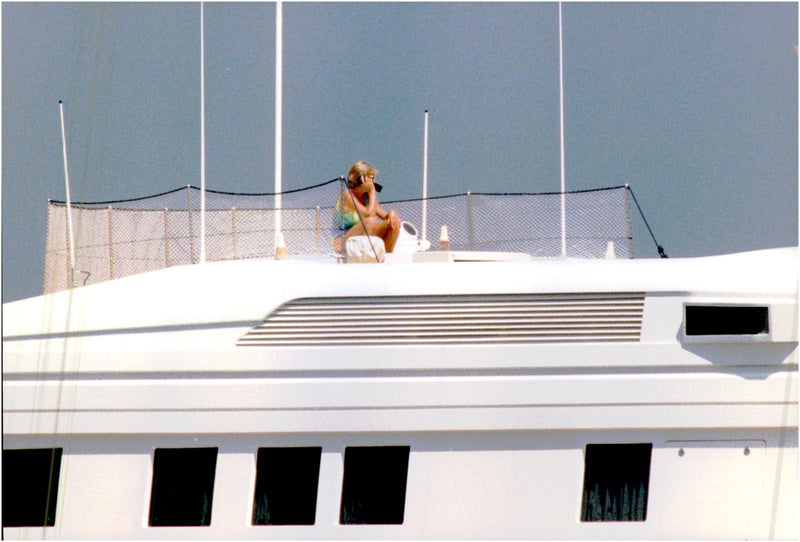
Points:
360	213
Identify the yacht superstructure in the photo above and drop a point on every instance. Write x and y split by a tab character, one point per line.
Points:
513	397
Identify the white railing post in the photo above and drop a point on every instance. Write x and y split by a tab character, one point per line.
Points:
70	232
278	117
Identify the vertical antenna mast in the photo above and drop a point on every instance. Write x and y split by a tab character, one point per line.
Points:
202	141
69	202
425	181
278	114
561	123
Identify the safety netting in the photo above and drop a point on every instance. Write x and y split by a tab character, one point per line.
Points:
120	238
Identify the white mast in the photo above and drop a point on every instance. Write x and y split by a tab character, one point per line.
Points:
202	142
278	115
69	202
561	115
425	181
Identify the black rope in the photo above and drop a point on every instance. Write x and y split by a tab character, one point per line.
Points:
189	186
338	179
430	198
661	252
271	193
547	193
76	203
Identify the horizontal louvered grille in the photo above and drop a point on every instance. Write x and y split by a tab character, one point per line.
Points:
452	320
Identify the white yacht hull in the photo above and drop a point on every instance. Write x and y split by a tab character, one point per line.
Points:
496	376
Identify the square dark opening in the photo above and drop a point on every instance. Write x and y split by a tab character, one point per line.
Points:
615	482
183	487
722	320
30	487
374	486
286	486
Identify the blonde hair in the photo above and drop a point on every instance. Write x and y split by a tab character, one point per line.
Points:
357	170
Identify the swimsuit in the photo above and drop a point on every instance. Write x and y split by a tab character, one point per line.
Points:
344	220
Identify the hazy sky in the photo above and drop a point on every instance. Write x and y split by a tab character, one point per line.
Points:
692	104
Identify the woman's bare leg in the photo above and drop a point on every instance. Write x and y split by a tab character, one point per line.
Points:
373	226
367	227
390	234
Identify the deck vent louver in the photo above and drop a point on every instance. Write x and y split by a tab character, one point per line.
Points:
701	320
452	320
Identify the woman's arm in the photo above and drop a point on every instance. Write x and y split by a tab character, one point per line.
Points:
380	211
352	203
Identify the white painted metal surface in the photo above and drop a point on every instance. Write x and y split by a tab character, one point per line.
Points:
497	428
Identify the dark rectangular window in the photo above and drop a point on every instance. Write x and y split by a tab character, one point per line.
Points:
286	486
374	486
726	320
615	482
30	487
183	486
